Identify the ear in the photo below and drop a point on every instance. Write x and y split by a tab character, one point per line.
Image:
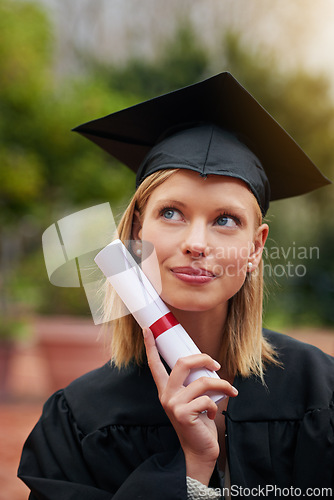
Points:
259	241
136	242
136	226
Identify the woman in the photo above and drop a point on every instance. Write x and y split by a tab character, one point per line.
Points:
208	160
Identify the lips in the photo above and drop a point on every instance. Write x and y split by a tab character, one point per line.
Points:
193	275
193	271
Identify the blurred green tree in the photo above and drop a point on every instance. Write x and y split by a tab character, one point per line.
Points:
47	173
180	62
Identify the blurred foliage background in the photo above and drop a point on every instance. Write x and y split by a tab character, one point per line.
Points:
47	172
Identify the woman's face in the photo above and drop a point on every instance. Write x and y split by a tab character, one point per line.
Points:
204	231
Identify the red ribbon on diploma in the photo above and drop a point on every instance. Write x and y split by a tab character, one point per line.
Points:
163	324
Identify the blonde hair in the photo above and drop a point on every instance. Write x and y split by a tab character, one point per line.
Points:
244	350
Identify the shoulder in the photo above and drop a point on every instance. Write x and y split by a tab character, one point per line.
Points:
304	381
307	373
292	352
111	396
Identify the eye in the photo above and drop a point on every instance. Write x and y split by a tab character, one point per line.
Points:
227	221
170	214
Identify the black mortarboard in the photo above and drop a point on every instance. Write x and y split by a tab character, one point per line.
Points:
212	127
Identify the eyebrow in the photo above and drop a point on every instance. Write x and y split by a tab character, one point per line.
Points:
168	201
228	206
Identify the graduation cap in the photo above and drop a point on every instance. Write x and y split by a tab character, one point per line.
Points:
212	127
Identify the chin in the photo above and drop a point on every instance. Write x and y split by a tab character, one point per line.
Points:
191	306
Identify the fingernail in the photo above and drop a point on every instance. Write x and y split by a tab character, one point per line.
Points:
217	365
234	390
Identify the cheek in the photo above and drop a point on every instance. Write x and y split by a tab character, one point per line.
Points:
231	260
151	268
234	253
153	259
156	240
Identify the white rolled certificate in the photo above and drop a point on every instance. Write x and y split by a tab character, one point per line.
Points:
148	309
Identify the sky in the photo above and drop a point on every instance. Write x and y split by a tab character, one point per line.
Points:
300	32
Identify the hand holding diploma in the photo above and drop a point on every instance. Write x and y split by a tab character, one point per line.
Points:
190	411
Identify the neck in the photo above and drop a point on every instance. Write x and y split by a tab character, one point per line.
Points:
204	327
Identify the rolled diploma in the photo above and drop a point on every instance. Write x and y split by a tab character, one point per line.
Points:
148	309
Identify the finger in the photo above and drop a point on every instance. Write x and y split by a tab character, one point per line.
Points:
189	412
184	365
158	370
204	404
208	385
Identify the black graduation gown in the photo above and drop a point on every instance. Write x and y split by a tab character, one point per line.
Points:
107	437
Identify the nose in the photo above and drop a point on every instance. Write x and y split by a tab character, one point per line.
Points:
195	242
